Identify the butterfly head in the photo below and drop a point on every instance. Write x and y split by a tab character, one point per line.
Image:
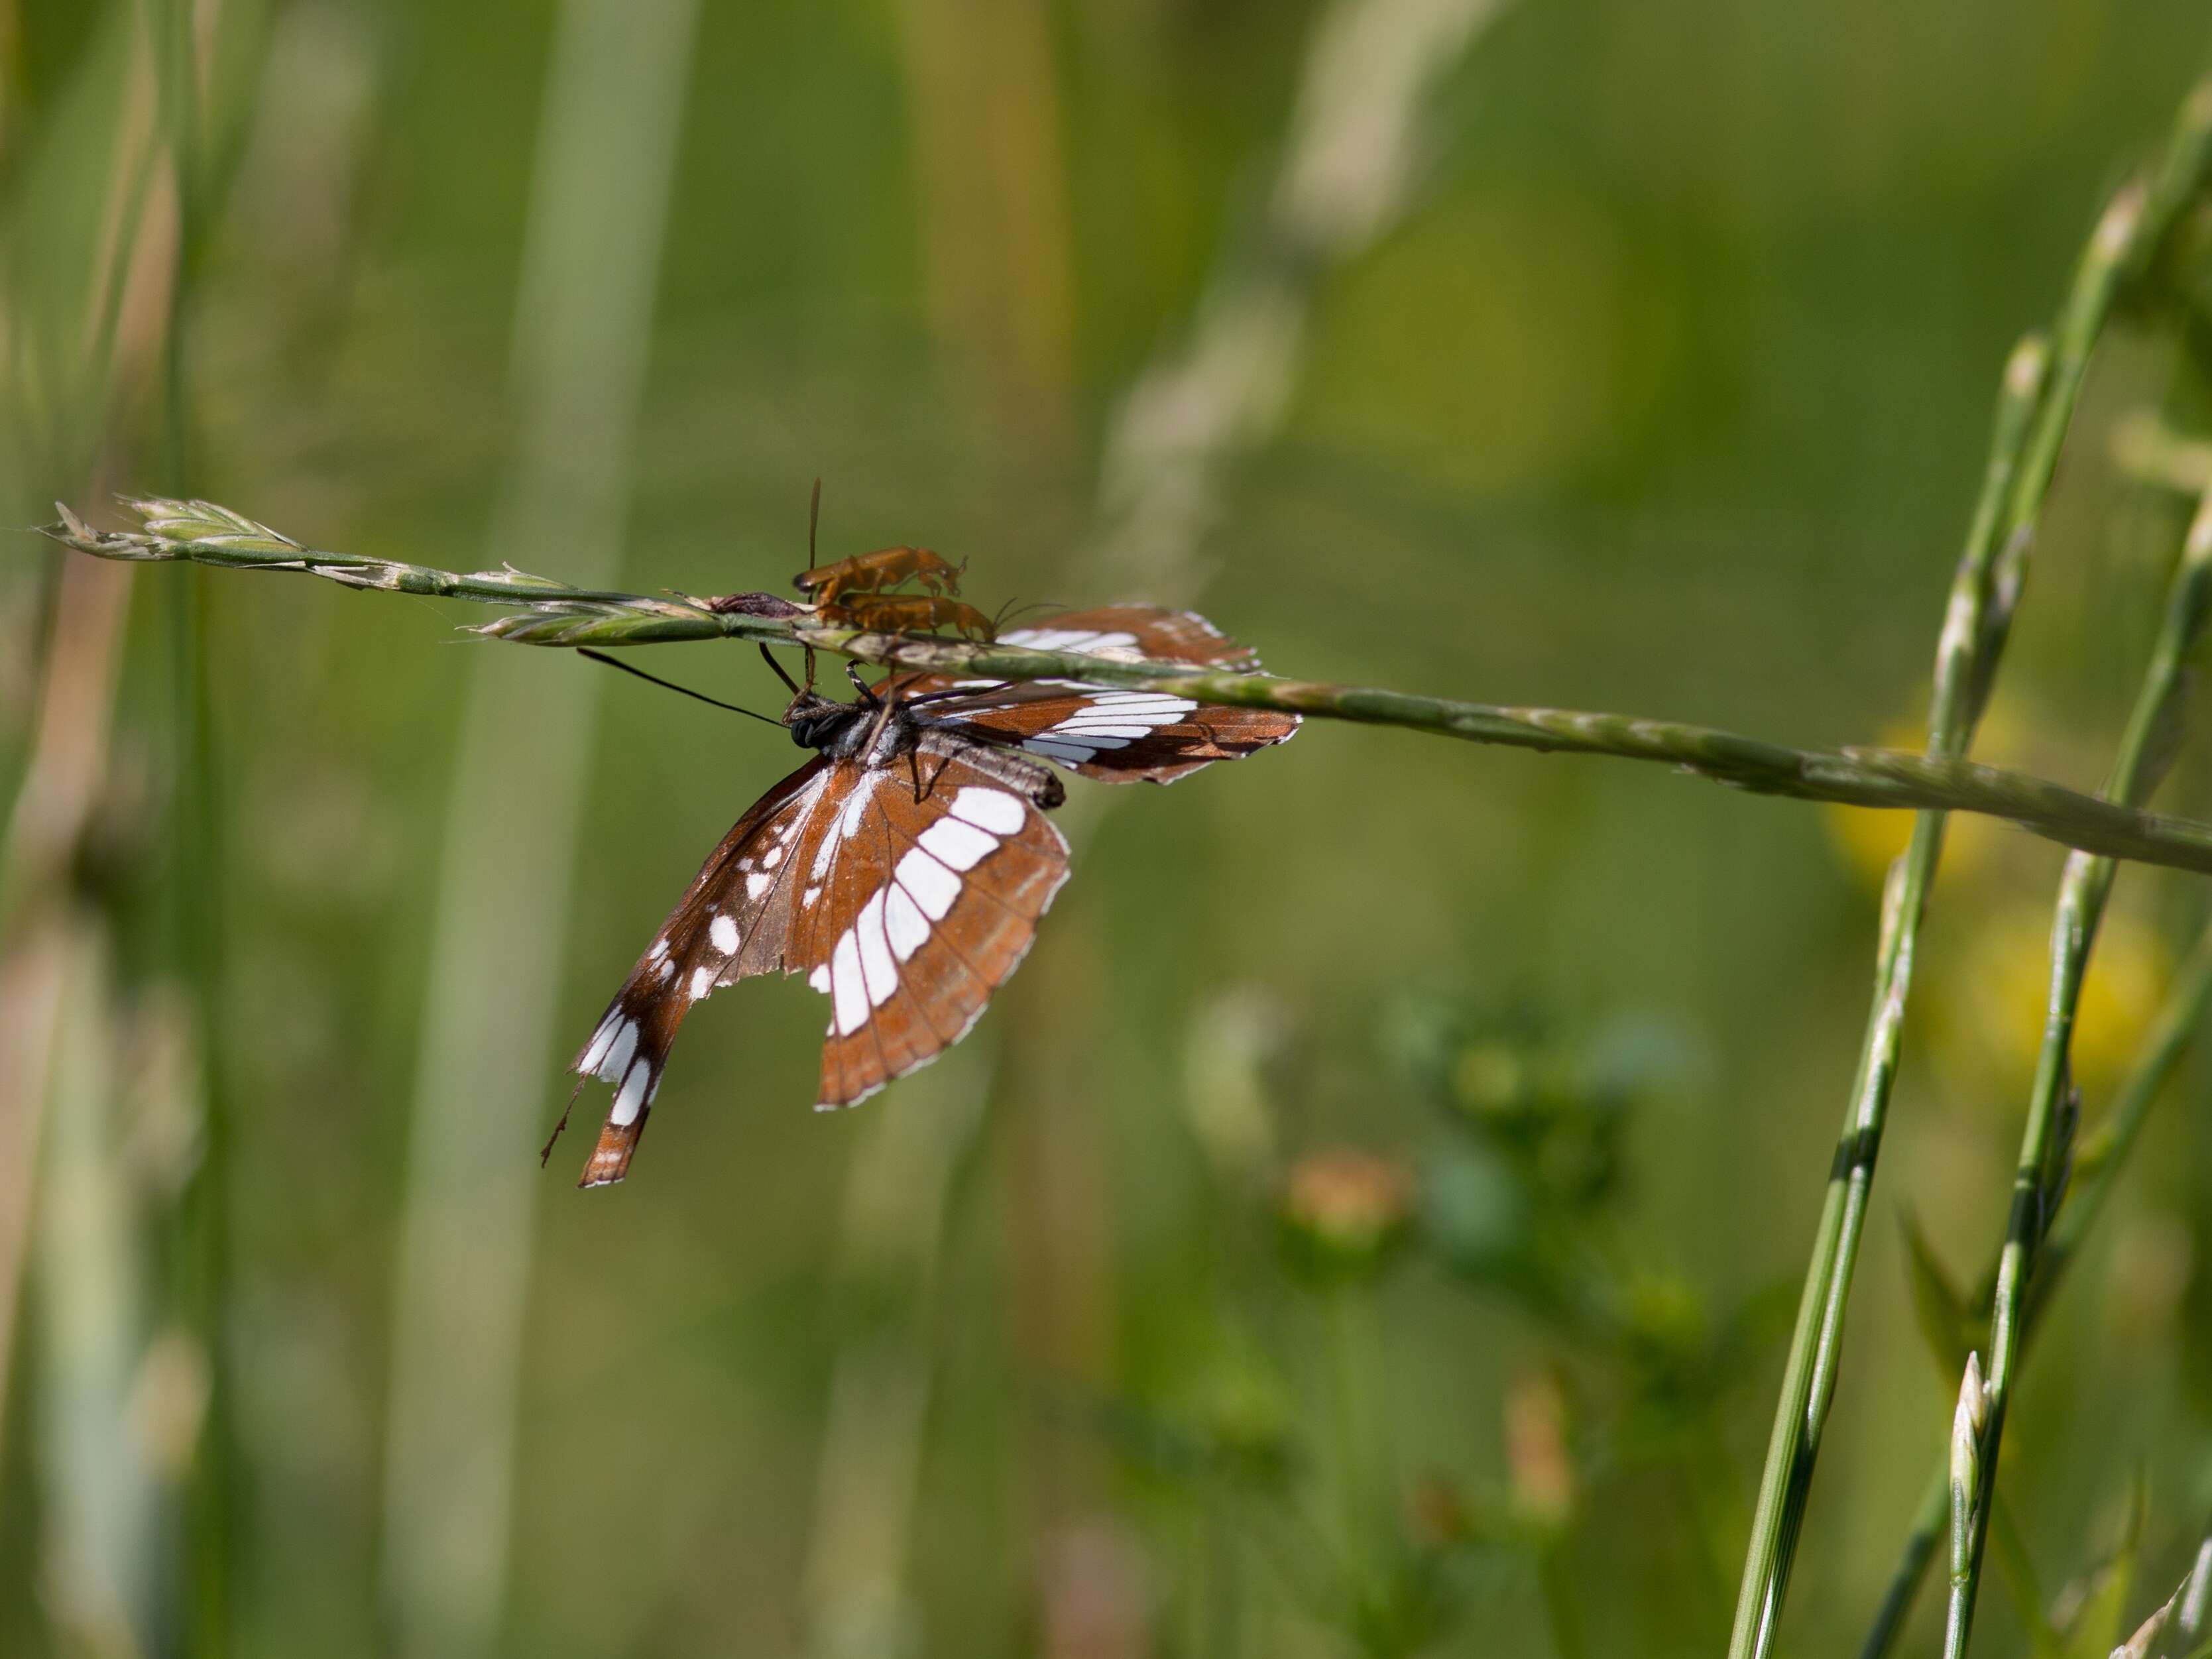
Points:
815	721
875	732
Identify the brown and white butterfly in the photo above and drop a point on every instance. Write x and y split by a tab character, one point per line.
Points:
903	868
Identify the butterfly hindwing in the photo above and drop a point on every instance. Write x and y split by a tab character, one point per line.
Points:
930	897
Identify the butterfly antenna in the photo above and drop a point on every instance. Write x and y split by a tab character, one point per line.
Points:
769	657
813	518
670	685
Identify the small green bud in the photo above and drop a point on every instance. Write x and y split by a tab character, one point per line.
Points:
1967	1423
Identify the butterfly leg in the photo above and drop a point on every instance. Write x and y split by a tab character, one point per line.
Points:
876	732
548	1152
852	673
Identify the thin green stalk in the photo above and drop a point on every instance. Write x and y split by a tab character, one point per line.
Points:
203	1216
2021	1575
2035	410
2127	242
1356	1477
2039	1179
1854	776
203	1208
1972	627
1912	1566
1563	1603
2097	1170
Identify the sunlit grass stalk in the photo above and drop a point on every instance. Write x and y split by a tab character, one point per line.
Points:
1971	636
2097	1168
2040	1178
606	155
2036	406
1854	776
65	765
2181	1615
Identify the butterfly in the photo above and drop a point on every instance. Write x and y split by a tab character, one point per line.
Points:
903	868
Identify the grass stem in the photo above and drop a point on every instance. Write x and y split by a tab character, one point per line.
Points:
2042	1174
2042	387
1855	776
2097	1167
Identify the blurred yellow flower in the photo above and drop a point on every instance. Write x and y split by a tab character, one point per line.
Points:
2007	988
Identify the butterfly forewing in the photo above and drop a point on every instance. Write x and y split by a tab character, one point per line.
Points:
930	898
733	920
1119	735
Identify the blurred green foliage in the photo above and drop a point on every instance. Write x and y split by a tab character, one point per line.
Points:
1669	393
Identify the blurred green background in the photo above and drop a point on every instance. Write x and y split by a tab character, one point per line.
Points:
1627	354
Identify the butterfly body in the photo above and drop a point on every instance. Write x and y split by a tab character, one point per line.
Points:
903	868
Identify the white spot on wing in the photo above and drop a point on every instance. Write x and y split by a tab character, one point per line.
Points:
703	981
876	967
845	824
810	896
904	924
1113	719
757	883
724	933
994	810
659	949
602	1040
1122	713
819	979
933	886
962	846
1070	639
848	820
630	1097
618	1055
1053	749
849	990
775	857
